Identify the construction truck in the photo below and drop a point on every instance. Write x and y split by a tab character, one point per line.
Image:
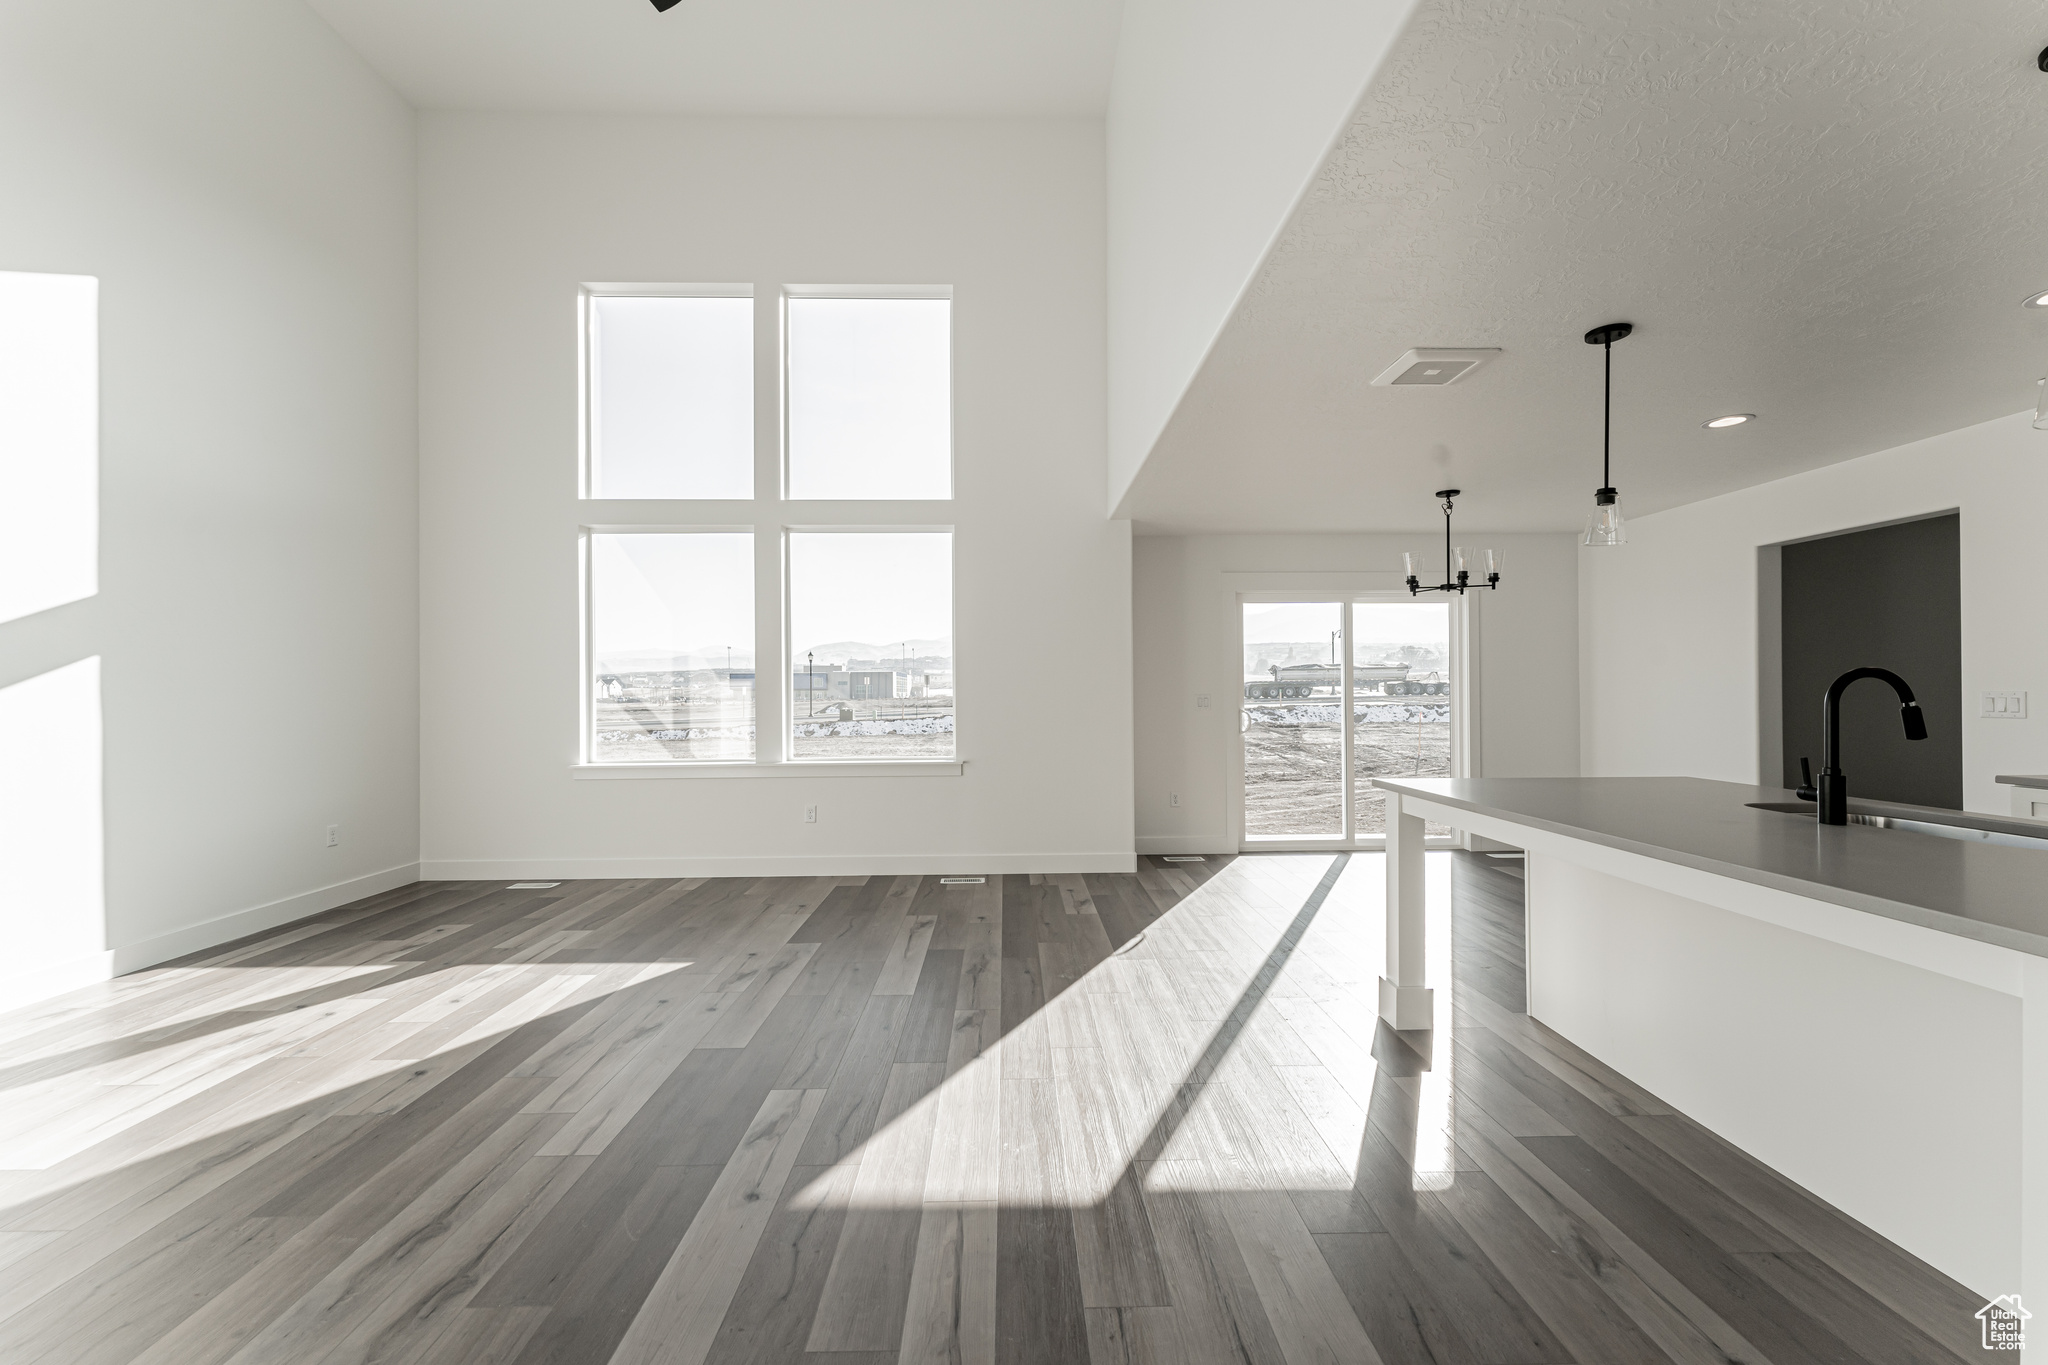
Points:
1301	680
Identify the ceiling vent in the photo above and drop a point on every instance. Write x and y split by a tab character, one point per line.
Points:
1435	368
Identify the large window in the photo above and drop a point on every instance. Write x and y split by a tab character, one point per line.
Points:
708	413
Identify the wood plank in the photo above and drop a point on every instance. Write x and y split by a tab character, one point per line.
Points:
1684	1327
1716	1273
1311	1317
866	1290
855	1095
679	1319
928	1026
1039	1313
1592	1329
905	958
1116	1254
770	1317
1222	1320
967	1127
1933	1303
950	1316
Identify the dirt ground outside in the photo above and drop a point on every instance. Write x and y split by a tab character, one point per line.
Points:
1293	773
720	729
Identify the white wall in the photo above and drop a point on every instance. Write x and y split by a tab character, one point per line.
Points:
241	187
1185	640
1219	117
1669	644
517	210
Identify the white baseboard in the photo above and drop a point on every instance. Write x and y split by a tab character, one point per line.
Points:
1185	843
133	957
824	865
57	978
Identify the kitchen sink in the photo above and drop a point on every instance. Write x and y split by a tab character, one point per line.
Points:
1963	825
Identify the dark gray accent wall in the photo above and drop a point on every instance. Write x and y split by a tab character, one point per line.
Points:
1889	597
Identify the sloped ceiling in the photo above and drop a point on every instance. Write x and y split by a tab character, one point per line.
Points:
1824	213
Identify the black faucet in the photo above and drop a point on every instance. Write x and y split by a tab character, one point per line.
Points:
1832	791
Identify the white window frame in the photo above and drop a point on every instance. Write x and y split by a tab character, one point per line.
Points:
770	516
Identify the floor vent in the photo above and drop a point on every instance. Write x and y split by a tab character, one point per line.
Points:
531	886
963	881
1184	858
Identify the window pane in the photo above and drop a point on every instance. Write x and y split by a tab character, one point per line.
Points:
1401	700
870	398
672	384
49	441
871	630
672	634
1293	721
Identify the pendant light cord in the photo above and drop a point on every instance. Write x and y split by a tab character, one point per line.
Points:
1607	421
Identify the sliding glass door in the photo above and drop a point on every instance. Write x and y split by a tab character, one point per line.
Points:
1309	757
1293	724
1401	701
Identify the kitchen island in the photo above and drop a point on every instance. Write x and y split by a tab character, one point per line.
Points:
1863	1009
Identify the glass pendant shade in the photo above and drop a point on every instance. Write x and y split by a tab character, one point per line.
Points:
1604	525
1496	561
2041	409
1407	564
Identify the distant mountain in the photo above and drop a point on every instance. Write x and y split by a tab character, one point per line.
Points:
700	658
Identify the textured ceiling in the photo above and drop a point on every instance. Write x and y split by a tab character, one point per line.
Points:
1822	212
910	57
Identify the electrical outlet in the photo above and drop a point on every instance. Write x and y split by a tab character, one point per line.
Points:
1202	700
334	836
1176	798
2002	705
810	815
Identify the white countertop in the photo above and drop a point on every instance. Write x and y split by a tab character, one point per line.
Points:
1989	892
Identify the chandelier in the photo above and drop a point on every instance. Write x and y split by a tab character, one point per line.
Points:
1457	574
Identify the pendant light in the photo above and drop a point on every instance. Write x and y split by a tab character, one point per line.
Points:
1603	524
1459	563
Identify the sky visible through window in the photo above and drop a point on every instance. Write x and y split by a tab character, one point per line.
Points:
870	405
673	601
674	400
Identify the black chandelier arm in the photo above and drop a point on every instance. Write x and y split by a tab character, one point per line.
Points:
1454	581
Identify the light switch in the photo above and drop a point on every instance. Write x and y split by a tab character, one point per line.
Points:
2002	705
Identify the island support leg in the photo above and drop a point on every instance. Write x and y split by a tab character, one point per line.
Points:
1405	1002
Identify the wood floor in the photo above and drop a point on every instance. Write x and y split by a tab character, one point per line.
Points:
849	1121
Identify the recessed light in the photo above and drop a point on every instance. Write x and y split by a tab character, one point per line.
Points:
1733	419
2039	300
